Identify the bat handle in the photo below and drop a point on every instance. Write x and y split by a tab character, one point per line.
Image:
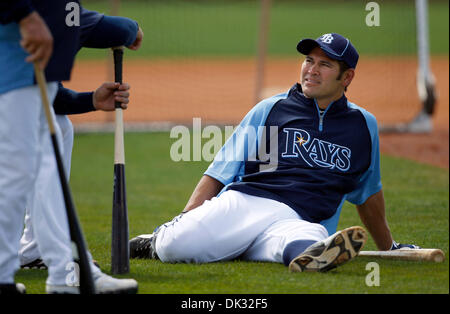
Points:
118	65
119	154
42	83
119	146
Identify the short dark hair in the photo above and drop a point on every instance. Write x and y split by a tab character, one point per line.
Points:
342	68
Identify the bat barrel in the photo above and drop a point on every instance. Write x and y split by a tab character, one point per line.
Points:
120	253
431	255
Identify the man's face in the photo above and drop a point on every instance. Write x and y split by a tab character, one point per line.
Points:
319	76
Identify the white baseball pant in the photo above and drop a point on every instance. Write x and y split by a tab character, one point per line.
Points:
24	147
28	173
236	225
29	251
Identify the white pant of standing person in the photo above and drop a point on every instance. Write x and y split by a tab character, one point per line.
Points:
234	225
29	250
27	172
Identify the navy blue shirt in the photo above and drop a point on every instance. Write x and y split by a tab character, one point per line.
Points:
285	149
97	31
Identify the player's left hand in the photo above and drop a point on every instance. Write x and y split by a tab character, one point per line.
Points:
107	94
138	41
397	246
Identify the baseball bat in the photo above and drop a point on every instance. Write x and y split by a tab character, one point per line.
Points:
76	235
431	255
120	255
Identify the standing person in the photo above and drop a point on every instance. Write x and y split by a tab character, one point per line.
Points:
35	31
70	102
97	31
283	205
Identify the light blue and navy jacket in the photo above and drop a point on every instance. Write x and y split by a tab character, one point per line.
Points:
309	160
95	31
14	71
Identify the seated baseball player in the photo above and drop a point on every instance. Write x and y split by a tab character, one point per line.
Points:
275	190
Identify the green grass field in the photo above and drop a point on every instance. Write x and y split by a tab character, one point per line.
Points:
417	195
417	199
216	28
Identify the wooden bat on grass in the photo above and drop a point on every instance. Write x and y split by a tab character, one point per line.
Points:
431	255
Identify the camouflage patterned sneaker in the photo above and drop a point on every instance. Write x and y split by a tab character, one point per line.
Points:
335	250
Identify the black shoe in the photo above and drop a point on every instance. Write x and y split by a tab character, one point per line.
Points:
36	264
13	288
335	250
143	247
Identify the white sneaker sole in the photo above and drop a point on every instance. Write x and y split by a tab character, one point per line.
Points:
110	285
338	249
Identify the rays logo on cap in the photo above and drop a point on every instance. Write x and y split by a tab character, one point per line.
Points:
327	38
336	47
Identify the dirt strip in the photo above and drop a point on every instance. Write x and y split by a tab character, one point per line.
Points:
222	91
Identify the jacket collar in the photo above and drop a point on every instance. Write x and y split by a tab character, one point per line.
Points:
337	105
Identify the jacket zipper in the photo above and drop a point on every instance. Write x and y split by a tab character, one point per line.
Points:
321	121
321	115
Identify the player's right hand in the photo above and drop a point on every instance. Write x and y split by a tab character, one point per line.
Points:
398	246
36	39
108	93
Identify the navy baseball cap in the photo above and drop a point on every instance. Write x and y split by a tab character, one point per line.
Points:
336	47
